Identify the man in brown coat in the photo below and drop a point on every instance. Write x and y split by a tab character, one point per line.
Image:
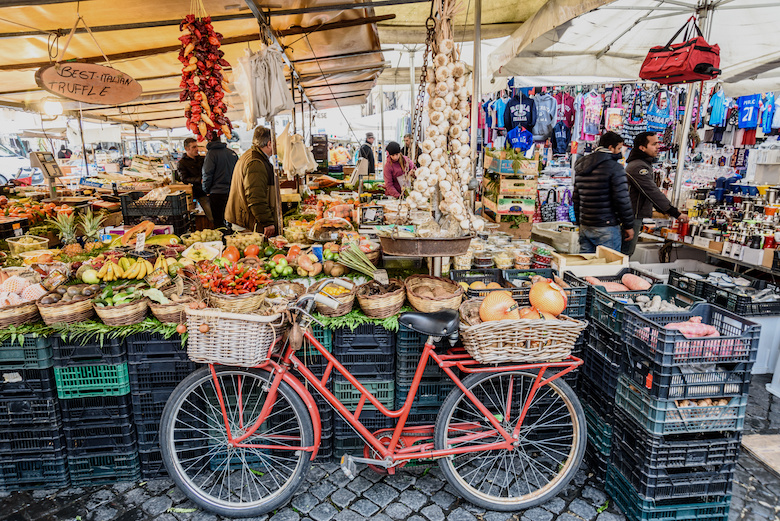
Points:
252	201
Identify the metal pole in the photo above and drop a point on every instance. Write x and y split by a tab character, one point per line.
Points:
292	88
135	132
412	84
277	181
683	148
476	92
382	122
83	145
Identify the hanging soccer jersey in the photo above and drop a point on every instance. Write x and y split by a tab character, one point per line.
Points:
718	104
520	138
748	110
500	107
767	112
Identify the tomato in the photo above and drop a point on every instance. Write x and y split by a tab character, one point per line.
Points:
293	253
231	253
253	250
278	257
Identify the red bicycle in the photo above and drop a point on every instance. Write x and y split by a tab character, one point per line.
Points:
239	441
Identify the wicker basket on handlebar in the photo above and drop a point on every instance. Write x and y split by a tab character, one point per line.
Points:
523	340
382	305
231	338
345	300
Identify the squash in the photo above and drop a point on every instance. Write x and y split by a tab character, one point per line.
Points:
477	285
499	305
146	227
547	296
493	285
635	283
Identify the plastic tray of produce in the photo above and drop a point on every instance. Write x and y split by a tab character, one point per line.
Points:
576	292
484	276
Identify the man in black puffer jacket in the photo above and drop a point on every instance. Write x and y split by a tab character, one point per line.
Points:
217	175
601	202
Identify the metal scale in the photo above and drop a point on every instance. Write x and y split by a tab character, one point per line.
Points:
48	165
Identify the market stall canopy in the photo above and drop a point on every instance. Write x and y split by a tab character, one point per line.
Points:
610	39
335	53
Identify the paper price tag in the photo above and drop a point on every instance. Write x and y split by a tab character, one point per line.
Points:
140	242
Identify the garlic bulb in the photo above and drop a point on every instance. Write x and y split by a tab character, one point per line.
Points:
446	46
458	69
444	126
442	73
441	59
432	131
455	116
463	122
445	185
420	185
437	154
451	84
464	150
460	81
448	98
463	104
436	117
430	88
423	172
440	140
427	146
430	75
435	166
464	96
464	138
442	88
455	131
438	104
424	159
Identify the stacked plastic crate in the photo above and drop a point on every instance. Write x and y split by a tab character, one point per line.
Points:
368	352
94	392
680	408
32	446
156	365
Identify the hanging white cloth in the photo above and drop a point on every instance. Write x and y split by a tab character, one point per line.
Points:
262	86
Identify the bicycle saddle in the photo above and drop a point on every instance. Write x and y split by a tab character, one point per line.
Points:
440	324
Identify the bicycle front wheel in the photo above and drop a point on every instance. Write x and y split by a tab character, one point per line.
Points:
547	454
235	481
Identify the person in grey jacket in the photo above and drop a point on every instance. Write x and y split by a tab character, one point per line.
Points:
217	175
600	200
546	112
642	188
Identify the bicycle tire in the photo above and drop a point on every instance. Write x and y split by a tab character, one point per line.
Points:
511	492
193	439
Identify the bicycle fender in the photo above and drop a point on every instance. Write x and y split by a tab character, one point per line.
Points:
311	405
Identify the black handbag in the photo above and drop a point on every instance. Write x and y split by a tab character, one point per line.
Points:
550	208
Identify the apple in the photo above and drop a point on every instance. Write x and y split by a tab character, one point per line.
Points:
90	277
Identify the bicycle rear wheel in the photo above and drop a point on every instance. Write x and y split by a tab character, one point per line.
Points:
550	446
235	481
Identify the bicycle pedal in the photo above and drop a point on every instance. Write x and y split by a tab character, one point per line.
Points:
348	466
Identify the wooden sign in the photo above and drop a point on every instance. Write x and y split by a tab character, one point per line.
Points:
88	82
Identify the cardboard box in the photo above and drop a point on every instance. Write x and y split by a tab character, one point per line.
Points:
511	205
507	166
753	256
769	257
716	246
604	262
518	187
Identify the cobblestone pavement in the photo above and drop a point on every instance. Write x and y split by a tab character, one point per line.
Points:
415	494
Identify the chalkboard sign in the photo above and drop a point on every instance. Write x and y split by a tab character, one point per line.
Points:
88	82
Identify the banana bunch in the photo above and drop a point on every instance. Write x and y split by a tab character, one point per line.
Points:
139	270
111	271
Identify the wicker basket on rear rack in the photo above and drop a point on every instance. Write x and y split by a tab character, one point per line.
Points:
231	338
519	341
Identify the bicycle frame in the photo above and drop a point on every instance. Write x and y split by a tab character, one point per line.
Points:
392	452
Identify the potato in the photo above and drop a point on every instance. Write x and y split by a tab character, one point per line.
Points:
338	270
327	267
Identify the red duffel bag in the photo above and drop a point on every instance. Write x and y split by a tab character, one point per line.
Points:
692	60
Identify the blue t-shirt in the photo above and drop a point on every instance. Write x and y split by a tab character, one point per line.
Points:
488	116
748	110
500	106
718	105
767	112
520	138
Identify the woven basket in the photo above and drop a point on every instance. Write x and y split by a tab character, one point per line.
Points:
433	304
66	312
19	314
124	314
346	301
523	340
232	338
381	306
374	256
171	313
246	303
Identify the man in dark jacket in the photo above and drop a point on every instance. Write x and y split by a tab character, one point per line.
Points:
644	193
601	203
190	171
368	152
217	174
252	202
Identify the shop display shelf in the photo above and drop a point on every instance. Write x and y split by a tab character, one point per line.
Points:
406	366
608	309
152	347
363	339
132	206
346	393
661	417
731	300
151	464
676	450
109	352
148	406
576	293
34	352
600	371
599	431
593	395
658	483
34	472
104	469
694	286
37	384
372	420
148	376
103	438
597	463
688	509
687	381
646	333
378	366
431	393
28	412
31	440
92	380
97	408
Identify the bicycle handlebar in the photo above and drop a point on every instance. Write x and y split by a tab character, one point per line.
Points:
326	300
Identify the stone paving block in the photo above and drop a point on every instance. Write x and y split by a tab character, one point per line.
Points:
597	497
158	485
364	507
135	497
359	485
349	515
381	494
103	513
100	497
339	479
397	510
316	474
537	514
609	516
176	495
305	503
499	516
323	512
429	484
400	481
568	517
323	489
443	499
157	505
433	513
582	509
556	505
460	514
286	514
342	498
413	499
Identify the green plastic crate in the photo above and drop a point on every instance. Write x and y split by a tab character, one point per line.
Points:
92	380
33	353
349	395
599	431
323	336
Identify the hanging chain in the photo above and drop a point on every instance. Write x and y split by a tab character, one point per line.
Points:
417	130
